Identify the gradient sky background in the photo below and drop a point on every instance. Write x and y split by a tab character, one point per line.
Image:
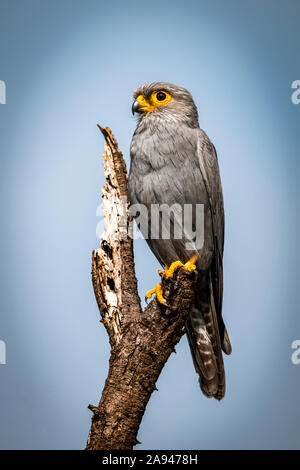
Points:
69	64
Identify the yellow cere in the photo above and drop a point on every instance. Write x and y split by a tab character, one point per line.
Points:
155	100
146	106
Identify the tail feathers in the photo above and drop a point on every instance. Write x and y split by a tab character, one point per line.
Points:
204	359
226	345
213	389
206	345
225	342
205	354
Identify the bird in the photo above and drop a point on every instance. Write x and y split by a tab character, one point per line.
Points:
174	165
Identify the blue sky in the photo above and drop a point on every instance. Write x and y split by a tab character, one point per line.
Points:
69	65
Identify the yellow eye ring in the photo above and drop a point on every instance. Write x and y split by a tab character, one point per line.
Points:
160	98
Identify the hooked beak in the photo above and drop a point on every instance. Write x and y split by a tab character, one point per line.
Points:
136	107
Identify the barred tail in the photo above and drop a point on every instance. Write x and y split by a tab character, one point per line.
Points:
205	341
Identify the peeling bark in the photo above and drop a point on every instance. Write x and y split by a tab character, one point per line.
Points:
141	341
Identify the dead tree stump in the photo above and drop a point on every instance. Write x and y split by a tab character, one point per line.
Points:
141	341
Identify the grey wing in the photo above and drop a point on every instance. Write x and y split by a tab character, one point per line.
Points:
210	173
206	331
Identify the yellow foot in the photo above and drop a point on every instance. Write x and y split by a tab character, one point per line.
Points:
159	294
169	272
189	266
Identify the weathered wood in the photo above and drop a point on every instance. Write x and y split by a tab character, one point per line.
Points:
141	341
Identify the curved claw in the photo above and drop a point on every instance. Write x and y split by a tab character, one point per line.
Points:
149	294
158	290
168	273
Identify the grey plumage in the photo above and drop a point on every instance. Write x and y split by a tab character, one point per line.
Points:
174	162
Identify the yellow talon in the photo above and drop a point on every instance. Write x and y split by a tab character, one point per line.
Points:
172	269
163	272
149	293
169	272
190	265
159	293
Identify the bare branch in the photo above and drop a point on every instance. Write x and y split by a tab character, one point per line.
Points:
141	342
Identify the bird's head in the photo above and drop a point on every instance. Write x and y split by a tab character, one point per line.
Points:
165	101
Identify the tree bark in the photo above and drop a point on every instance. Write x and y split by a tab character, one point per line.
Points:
141	341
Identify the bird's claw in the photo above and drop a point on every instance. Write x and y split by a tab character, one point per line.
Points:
168	273
158	296
158	291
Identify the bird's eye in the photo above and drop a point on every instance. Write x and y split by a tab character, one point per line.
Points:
159	98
